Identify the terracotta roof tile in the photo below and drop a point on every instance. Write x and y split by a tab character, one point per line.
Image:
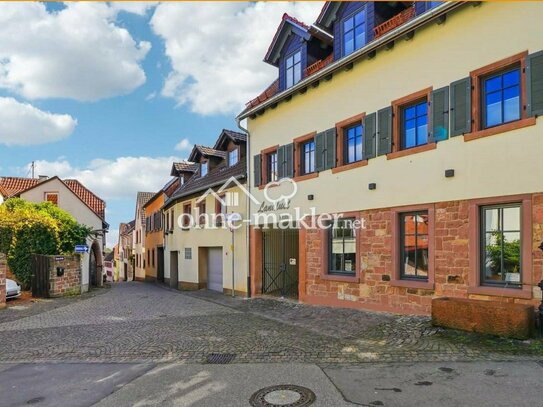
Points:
97	205
13	186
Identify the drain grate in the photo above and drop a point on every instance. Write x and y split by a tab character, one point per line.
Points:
283	395
220	358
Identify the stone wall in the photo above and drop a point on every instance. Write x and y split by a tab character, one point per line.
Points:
375	289
70	282
3	270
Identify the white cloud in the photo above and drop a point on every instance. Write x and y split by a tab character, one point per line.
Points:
113	179
23	124
183	145
78	52
216	50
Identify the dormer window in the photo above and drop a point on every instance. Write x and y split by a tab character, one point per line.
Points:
294	69
203	169
233	157
354	32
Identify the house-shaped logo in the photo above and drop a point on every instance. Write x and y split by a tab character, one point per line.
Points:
229	198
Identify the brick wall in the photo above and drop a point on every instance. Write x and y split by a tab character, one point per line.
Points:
3	270
376	290
70	282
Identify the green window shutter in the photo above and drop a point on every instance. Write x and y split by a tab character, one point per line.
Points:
289	160
330	155
257	170
384	131
439	108
281	162
461	107
320	151
534	84
369	136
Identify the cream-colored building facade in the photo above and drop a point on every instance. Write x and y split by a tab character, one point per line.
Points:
209	255
432	51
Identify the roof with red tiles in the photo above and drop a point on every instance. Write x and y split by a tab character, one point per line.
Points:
97	205
14	186
10	186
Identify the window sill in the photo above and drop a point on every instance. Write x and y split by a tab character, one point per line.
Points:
425	285
409	151
341	278
305	177
523	293
519	124
347	167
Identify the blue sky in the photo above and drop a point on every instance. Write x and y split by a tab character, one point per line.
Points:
104	92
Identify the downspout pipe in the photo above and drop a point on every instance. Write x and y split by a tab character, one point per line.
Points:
248	204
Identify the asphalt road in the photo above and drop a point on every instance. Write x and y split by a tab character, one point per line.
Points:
177	384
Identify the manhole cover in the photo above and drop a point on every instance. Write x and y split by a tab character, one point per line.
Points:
284	395
220	358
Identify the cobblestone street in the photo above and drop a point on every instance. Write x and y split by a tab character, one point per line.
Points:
137	322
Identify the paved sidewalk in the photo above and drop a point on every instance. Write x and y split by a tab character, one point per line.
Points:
138	322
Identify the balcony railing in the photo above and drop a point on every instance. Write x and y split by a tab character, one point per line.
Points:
394	22
317	66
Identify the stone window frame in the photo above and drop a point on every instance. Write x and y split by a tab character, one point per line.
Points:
325	269
341	128
396	279
264	154
474	281
397	107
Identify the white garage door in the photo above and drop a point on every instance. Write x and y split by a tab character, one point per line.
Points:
214	269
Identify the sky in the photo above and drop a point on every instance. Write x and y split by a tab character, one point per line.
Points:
113	93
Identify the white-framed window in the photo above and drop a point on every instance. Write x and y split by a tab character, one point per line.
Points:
203	169
293	69
233	157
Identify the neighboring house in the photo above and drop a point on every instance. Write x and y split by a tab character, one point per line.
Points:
154	231
126	251
139	236
109	265
116	262
420	121
200	255
87	209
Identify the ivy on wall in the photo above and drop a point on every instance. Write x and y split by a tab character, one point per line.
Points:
28	228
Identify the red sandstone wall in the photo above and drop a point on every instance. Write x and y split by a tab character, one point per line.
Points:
375	290
70	282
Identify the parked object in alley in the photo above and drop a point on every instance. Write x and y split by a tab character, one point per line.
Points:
13	290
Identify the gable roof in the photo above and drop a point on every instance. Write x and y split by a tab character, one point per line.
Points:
168	189
215	177
234	136
328	14
15	186
126	228
183	166
10	186
141	199
206	152
97	205
287	26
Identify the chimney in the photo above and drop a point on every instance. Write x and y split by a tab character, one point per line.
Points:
42	178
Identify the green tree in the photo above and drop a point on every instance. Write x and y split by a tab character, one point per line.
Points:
28	228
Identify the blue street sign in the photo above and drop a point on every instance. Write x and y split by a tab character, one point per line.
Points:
81	248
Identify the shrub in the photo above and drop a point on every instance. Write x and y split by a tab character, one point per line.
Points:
27	228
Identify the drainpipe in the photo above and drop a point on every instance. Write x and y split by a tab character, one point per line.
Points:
248	205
